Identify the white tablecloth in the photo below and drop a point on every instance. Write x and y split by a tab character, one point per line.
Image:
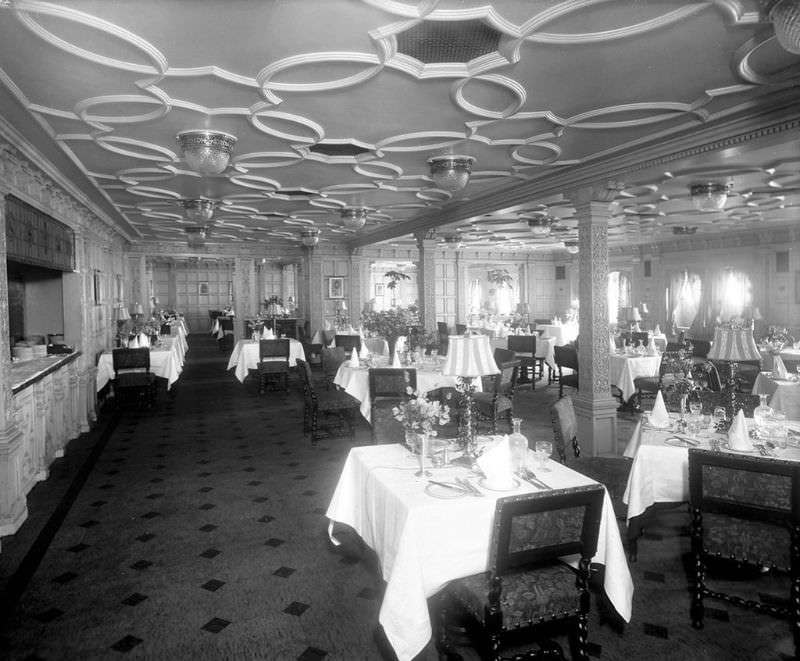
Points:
423	542
563	333
784	395
166	361
622	370
245	356
355	382
790	358
660	472
544	349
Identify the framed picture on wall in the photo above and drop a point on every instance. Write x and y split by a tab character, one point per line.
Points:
336	286
379	288
202	288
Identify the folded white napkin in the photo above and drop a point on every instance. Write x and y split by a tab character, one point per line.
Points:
327	325
651	348
497	466
779	370
354	362
134	343
364	353
396	359
659	417
267	334
636	328
544	334
657	330
144	341
738	438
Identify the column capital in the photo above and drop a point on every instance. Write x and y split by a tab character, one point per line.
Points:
601	192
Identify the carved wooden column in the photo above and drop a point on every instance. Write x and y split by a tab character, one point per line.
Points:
13	506
244	280
359	285
313	296
426	279
595	408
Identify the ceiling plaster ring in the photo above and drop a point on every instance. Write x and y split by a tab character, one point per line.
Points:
252	160
444	140
363	169
268	87
317	130
790	179
133	176
298	222
743	55
514	88
554	148
159	215
672	109
348	188
255	182
109	142
159	63
434	195
151	192
101	121
330	204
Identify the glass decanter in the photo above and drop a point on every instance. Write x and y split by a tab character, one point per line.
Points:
518	444
762	415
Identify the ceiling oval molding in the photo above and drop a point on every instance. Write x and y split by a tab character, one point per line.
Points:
317	131
255	182
514	89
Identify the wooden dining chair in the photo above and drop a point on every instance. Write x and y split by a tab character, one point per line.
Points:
349	343
527	593
566	357
133	383
388	387
745	524
496	402
670	369
273	364
332	358
226	326
319	406
524	346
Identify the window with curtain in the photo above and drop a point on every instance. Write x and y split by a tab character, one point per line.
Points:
619	294
686	290
475	296
732	294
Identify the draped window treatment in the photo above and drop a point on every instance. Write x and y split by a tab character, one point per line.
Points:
732	294
686	293
619	294
475	295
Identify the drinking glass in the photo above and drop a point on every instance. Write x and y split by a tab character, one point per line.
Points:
778	431
695	406
543	450
719	416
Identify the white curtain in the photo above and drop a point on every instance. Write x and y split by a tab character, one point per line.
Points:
687	290
732	294
619	294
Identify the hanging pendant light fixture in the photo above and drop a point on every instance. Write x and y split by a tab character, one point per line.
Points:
199	211
709	196
206	152
453	241
354	218
571	247
309	237
541	226
196	236
451	173
785	18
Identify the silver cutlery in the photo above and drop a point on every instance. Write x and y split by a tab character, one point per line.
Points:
530	476
469	486
445	485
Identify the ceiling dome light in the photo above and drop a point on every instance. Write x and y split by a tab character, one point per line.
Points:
709	196
540	226
571	247
785	18
206	152
353	218
198	211
309	237
451	173
196	236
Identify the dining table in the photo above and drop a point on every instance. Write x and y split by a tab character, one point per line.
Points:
166	362
425	536
784	394
660	470
245	356
789	356
355	381
563	333
624	368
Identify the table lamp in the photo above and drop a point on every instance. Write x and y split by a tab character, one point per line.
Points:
733	344
468	357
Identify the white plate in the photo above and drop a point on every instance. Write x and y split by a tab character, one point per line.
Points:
486	485
436	491
729	449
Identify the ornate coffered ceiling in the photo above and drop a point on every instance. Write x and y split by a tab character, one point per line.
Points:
340	103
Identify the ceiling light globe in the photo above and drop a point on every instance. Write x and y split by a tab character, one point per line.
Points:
571	247
709	196
453	241
785	18
354	218
309	237
206	152
451	173
198	211
540	226
196	236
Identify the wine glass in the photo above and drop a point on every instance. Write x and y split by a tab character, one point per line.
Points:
543	450
719	417
695	407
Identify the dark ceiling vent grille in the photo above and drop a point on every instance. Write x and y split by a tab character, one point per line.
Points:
431	42
297	192
338	149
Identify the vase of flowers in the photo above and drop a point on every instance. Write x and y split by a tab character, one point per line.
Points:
419	418
390	324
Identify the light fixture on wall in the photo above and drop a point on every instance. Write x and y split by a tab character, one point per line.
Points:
309	237
785	18
354	218
709	196
541	226
196	236
451	173
206	152
571	247
198	211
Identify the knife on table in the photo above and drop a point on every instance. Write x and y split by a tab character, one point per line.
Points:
445	485
469	486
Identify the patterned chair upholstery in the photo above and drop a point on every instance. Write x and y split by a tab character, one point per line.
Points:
527	589
325	403
133	383
669	370
273	364
388	387
496	402
745	512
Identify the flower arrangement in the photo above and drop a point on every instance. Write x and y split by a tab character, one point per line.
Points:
391	323
420	415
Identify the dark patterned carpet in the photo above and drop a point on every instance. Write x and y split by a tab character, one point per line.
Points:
196	530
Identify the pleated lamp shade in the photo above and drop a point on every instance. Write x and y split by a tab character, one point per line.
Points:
734	345
469	356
